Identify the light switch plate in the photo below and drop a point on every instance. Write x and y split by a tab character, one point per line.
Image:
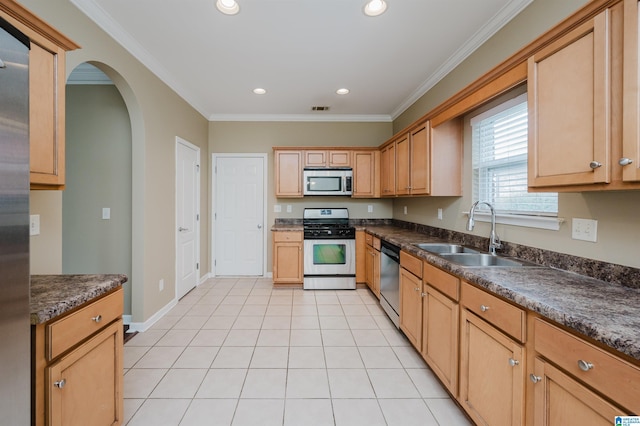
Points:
277	208
106	213
440	214
584	229
370	208
34	224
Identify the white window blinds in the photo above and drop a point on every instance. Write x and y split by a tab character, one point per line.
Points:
500	161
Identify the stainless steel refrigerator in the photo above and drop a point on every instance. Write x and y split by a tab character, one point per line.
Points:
15	340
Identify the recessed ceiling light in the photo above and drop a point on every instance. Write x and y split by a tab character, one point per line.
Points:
259	91
342	91
375	7
228	7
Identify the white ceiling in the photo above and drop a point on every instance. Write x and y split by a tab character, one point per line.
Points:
301	51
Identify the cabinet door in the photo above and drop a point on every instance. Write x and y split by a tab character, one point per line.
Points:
403	162
287	263
341	158
561	400
369	267
361	257
288	166
85	386
491	374
411	307
440	328
46	117
375	285
388	170
570	108
315	158
631	97
420	161
365	174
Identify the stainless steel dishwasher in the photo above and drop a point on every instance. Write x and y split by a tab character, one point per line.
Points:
390	281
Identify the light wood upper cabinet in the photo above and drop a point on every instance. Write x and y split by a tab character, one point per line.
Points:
424	161
327	158
288	169
631	98
366	172
388	170
47	78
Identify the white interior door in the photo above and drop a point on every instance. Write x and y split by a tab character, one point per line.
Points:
239	214
187	216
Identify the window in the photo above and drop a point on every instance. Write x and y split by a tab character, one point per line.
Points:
499	162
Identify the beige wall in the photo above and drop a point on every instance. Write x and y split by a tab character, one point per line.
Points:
158	115
260	137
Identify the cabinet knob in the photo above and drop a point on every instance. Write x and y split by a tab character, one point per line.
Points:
624	161
484	308
513	362
595	164
417	289
423	294
584	365
60	383
534	378
97	318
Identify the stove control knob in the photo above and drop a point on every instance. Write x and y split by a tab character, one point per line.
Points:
328	231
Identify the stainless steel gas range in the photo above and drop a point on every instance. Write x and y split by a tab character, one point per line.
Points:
329	249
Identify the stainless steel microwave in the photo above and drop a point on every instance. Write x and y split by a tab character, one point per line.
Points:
327	181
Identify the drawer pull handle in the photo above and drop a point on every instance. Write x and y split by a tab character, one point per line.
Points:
513	362
97	318
484	308
60	383
534	378
584	365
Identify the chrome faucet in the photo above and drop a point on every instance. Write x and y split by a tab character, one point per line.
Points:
494	240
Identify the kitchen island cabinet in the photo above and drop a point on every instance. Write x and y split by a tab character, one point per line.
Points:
77	346
47	80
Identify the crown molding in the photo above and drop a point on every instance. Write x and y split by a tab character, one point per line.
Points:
303	117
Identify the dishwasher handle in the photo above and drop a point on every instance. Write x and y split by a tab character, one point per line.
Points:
390	250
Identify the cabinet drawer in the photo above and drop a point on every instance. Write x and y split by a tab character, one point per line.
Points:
281	236
411	264
608	374
66	332
503	315
446	283
368	238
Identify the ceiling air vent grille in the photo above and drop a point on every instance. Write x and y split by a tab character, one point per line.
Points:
319	108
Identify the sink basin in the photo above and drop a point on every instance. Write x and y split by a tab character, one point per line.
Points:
442	248
483	259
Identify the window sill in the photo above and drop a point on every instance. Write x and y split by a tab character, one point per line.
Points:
540	222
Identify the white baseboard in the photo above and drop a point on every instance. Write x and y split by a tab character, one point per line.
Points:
205	277
144	326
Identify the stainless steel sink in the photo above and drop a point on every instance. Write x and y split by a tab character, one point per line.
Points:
443	248
483	259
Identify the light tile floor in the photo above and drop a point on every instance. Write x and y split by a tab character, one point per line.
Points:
235	351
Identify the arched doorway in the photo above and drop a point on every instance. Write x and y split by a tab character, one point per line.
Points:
97	211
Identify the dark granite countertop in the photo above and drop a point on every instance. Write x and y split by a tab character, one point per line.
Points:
286	227
609	313
53	295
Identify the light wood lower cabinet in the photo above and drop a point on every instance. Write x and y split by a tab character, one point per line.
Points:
440	330
77	366
372	263
491	374
411	307
287	257
561	400
85	386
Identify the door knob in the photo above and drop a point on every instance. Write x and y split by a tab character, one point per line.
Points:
259	226
181	229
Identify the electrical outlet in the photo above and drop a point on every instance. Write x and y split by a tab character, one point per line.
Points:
288	208
106	213
584	229
370	208
405	209
440	214
161	284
